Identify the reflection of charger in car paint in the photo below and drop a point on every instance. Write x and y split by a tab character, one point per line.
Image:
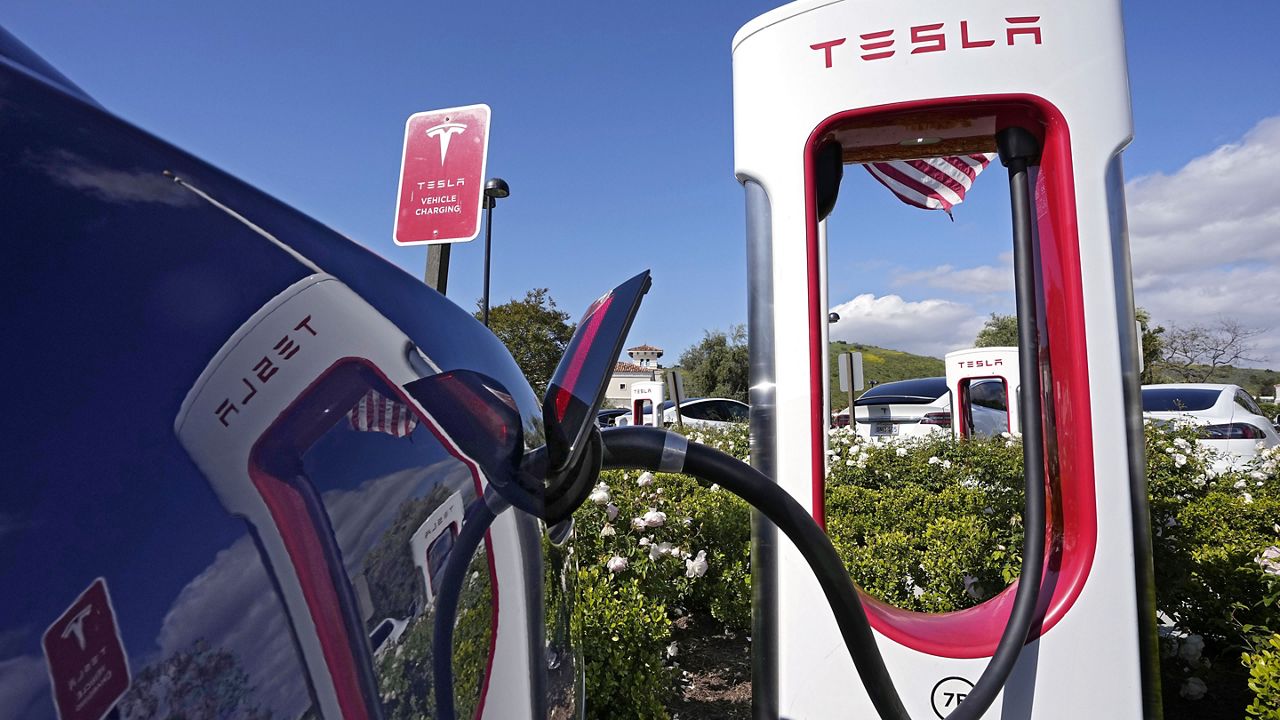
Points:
433	539
289	378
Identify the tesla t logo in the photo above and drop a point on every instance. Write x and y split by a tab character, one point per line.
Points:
932	37
444	131
76	626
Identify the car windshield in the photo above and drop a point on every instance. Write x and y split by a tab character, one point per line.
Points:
919	391
1173	399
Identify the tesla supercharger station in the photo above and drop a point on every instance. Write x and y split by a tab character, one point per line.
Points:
964	367
651	392
820	83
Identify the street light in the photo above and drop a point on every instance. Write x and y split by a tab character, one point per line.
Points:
494	188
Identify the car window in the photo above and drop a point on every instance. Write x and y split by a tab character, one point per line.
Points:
918	391
697	411
989	394
1247	402
738	412
1178	399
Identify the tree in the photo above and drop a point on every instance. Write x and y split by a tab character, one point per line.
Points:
535	332
998	331
1152	346
1195	353
718	365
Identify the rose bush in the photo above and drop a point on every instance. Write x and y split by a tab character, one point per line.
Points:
935	525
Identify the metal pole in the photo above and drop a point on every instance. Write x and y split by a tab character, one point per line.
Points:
437	277
488	234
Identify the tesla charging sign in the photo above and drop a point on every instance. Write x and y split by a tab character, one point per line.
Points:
442	176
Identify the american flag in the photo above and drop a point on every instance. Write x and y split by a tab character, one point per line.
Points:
376	413
933	184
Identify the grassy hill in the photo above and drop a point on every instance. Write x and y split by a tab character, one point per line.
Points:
882	365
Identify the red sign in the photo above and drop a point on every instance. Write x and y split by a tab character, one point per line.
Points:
442	176
87	664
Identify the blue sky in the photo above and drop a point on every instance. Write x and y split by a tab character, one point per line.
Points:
612	124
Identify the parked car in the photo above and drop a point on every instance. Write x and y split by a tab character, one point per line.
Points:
1229	420
905	408
919	407
707	412
608	417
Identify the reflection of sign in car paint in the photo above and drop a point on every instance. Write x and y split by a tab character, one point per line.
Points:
948	694
87	665
431	542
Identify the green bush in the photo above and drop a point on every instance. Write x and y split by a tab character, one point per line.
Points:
933	525
1264	679
624	635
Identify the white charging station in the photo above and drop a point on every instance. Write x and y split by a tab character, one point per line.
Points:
900	80
984	391
647	394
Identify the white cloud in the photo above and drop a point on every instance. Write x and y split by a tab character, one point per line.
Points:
1205	240
979	280
927	327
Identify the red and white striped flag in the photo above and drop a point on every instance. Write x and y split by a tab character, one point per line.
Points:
375	413
933	184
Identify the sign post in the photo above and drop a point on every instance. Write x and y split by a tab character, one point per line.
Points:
851	377
441	189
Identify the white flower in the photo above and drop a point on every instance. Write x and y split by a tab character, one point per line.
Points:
946	464
696	567
655	552
658	491
654	518
607	531
1191	649
902	452
1246	497
616	564
1179	459
1240	485
1258	475
637	523
689	521
645	479
1270	560
715	487
673	650
935	460
972	587
612	511
646	540
600	495
1181	443
1193	688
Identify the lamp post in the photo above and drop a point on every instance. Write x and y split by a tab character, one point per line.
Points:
494	188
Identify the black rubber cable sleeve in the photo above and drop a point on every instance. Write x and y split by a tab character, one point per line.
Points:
475	524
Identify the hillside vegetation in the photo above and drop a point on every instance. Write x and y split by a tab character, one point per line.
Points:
881	365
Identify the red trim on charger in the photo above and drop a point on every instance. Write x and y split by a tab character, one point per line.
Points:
1071	539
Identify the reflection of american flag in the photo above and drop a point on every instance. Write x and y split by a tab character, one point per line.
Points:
375	413
933	184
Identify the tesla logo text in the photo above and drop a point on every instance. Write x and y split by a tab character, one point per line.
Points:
265	369
444	131
980	363
932	37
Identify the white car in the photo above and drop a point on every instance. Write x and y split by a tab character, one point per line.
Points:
920	407
1229	420
707	412
906	408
